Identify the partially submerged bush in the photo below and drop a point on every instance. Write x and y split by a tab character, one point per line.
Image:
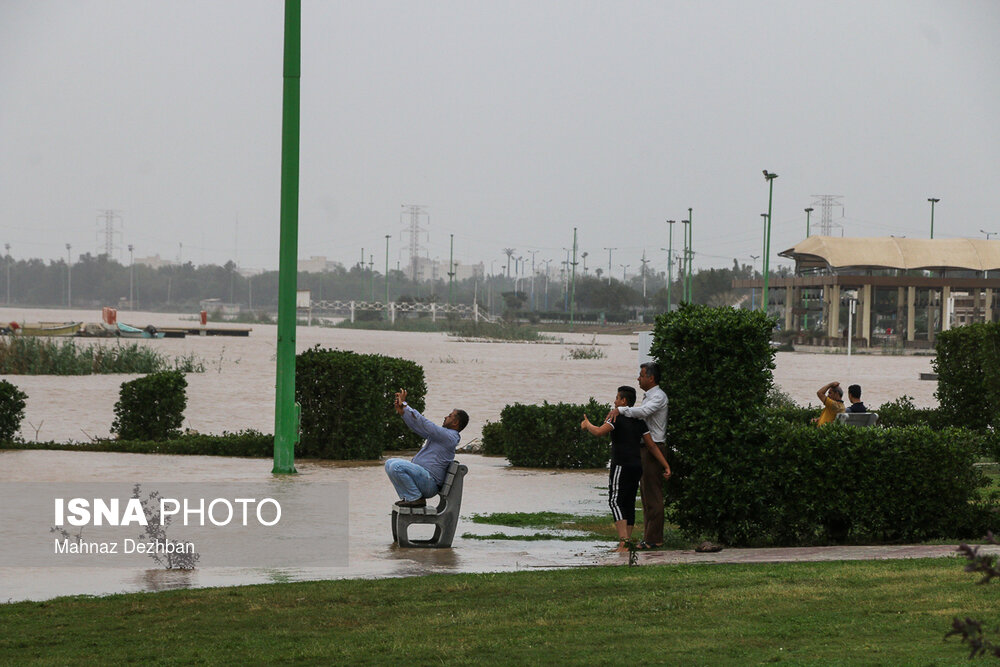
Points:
151	407
11	410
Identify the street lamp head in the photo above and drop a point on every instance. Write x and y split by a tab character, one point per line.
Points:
809	210
769	176
685	222
670	222
764	215
933	200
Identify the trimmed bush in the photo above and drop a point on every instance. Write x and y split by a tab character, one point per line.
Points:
11	410
347	403
745	475
494	443
968	368
549	435
247	443
151	407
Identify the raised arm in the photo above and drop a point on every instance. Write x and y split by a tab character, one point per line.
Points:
603	429
825	388
424	427
657	401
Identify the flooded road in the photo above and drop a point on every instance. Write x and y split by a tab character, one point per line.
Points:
237	392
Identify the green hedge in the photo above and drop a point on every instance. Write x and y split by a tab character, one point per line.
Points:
494	439
549	435
11	410
247	443
745	475
151	407
968	368
347	403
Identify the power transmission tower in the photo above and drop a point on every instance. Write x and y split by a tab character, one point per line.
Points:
826	204
415	212
109	227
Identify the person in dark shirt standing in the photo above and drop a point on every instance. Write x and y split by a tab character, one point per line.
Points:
854	396
627	434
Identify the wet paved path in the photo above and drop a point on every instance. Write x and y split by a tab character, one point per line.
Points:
491	486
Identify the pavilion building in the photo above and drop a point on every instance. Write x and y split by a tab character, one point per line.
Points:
903	291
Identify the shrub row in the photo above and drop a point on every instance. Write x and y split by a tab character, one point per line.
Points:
900	412
785	484
746	478
247	443
549	435
30	355
347	403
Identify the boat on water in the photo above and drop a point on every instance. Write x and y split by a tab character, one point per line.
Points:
43	328
128	331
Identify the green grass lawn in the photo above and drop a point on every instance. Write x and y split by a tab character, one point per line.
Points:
882	612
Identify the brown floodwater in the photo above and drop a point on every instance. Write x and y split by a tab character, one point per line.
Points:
237	392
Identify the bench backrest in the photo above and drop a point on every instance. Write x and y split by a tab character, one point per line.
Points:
449	480
858	418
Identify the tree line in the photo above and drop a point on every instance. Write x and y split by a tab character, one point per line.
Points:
96	281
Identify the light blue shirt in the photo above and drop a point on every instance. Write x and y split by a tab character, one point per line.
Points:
439	450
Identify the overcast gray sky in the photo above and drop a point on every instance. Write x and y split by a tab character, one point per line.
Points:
511	121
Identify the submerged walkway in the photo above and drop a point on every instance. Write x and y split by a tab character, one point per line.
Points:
491	486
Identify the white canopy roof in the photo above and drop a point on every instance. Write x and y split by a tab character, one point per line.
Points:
896	253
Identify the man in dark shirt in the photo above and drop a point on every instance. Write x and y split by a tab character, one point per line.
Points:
626	463
854	396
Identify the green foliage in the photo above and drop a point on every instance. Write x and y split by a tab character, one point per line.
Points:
11	410
902	412
549	435
494	439
151	407
968	368
31	355
347	403
247	443
750	470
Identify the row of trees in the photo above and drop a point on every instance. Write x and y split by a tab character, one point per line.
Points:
95	281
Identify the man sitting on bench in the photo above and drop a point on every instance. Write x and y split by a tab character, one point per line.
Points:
422	476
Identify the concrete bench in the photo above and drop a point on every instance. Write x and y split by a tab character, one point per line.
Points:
858	418
444	517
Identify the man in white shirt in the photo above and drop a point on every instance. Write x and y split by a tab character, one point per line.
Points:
654	411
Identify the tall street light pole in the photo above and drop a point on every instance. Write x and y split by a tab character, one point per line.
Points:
670	263
808	211
983	231
386	276
69	276
572	296
769	177
131	277
753	290
609	263
451	268
685	266
624	269
932	200
7	257
690	272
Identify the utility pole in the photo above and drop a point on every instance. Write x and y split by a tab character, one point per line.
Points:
69	276
624	269
769	177
753	290
826	204
371	276
109	230
546	262
685	264
584	256
416	212
609	264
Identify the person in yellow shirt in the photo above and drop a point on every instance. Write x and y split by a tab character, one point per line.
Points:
832	398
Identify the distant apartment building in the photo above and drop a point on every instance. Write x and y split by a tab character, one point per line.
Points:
435	269
154	262
316	264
